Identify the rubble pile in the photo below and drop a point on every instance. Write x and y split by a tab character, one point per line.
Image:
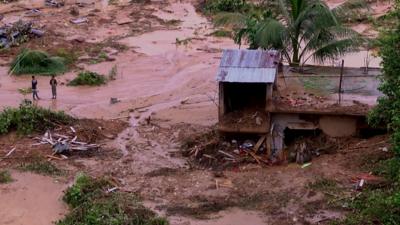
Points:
17	33
217	154
303	149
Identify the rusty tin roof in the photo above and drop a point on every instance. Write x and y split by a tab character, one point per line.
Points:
248	66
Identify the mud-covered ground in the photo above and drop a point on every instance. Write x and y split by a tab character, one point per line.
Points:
166	63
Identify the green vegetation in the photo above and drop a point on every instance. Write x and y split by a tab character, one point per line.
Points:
353	11
91	203
25	91
41	166
323	184
69	55
222	33
214	6
88	78
300	29
37	62
5	177
381	204
27	119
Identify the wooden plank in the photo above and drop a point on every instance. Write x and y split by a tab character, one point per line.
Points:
259	143
255	157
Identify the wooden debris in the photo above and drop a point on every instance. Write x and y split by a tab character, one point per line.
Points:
227	154
10	152
72	129
255	157
259	143
54	157
64	143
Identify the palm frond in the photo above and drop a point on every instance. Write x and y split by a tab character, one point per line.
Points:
271	34
333	50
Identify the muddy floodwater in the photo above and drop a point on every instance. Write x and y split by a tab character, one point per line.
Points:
31	199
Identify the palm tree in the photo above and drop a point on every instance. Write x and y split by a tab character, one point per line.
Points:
301	29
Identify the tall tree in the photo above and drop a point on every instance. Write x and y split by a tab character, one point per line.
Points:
301	29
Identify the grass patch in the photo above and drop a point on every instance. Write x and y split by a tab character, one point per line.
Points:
221	33
42	166
318	85
37	62
92	204
27	119
324	184
215	6
5	177
88	78
70	56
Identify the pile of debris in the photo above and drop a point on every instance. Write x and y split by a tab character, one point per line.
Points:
224	154
64	144
245	118
17	33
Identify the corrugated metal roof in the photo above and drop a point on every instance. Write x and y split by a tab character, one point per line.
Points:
248	66
250	58
246	75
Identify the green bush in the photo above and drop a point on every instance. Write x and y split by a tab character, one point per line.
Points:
92	205
88	78
27	119
70	56
381	205
37	62
5	177
215	6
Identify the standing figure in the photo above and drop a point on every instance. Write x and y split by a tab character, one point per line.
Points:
53	84
34	89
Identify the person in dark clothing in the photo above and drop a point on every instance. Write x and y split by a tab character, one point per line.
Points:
53	84
34	89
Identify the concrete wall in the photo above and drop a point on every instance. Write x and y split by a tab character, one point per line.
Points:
333	126
338	126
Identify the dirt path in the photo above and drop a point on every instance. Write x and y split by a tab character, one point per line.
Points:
31	199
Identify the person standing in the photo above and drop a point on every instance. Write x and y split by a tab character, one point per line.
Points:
53	84
34	89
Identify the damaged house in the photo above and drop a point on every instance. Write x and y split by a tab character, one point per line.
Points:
257	96
246	81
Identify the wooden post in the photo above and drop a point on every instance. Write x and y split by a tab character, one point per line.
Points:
340	82
221	106
268	97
